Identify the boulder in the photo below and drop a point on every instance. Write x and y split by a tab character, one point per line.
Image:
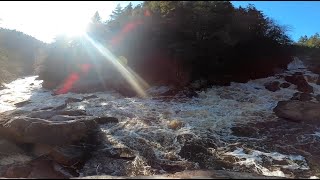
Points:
244	131
298	111
311	79
35	130
90	97
71	100
301	96
272	86
105	120
17	171
23	103
285	85
301	83
318	81
44	169
67	155
190	174
9	148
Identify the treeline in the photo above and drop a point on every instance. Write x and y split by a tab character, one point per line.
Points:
313	41
308	49
175	43
18	52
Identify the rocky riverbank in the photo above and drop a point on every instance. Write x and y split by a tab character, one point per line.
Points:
263	128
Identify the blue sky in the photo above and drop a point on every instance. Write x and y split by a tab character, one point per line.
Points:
303	17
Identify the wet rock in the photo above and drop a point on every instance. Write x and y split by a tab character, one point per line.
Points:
272	86
35	130
301	83
298	111
318	81
217	174
305	97
318	97
41	149
311	79
18	171
190	93
120	153
90	97
23	103
190	174
226	96
42	114
73	112
101	164
105	120
9	148
193	152
301	96
46	169
71	100
176	166
199	84
285	85
198	151
63	106
244	132
175	124
184	138
62	118
51	113
46	108
67	155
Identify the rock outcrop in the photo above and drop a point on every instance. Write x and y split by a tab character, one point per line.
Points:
298	111
301	83
40	142
272	86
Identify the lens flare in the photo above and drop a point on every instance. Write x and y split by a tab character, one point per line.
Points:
137	83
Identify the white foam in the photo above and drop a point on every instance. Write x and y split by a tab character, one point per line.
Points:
314	177
317	133
296	64
254	158
217	109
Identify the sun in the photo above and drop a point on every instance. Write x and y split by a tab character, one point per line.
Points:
74	28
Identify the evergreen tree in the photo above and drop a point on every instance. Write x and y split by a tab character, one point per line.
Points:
96	18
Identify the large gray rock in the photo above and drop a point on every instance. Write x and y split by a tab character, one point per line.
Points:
48	127
35	130
191	174
297	111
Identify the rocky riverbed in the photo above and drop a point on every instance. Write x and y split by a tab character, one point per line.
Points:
265	127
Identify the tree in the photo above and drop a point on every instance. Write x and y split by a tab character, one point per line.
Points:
117	12
128	10
313	41
96	18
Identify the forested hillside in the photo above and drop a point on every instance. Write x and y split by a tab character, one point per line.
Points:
175	43
18	52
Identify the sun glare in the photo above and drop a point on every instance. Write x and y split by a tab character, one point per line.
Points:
74	29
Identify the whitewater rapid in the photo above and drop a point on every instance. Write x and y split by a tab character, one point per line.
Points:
213	112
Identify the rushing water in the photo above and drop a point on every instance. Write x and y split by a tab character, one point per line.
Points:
145	122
